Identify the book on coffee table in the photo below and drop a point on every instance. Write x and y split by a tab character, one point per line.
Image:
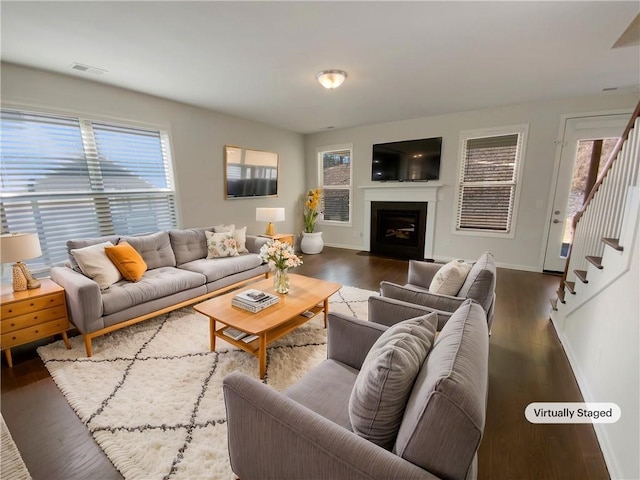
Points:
253	296
254	300
234	333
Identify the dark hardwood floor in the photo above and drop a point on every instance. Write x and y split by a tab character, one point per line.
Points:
526	364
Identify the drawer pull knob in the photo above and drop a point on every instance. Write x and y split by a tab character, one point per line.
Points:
10	311
13	324
37	331
13	338
35	317
31	304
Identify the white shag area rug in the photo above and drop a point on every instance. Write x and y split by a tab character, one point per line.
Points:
12	466
151	394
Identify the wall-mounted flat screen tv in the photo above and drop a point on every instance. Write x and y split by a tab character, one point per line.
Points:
407	161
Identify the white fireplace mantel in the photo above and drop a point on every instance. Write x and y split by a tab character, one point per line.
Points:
402	192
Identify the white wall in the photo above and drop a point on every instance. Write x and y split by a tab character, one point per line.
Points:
524	250
601	336
198	137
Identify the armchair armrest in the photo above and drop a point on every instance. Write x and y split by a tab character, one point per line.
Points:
389	311
349	339
84	299
436	301
421	273
271	436
254	243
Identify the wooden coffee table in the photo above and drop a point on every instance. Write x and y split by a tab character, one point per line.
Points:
306	294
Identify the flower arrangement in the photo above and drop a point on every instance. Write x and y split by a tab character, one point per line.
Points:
311	204
279	255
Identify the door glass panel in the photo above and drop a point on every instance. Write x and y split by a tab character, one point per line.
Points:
580	179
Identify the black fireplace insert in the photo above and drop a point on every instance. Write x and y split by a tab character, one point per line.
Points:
398	229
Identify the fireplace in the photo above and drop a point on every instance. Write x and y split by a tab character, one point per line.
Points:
398	229
409	192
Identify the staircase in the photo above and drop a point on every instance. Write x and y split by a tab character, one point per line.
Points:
597	310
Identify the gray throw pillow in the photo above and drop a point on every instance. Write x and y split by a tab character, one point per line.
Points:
383	385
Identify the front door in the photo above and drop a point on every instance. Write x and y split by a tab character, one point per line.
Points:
586	146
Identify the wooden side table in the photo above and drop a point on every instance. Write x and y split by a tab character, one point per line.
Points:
283	237
32	315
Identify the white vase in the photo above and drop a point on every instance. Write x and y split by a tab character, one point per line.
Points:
311	243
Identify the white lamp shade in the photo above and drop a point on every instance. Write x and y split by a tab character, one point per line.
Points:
15	247
331	78
270	214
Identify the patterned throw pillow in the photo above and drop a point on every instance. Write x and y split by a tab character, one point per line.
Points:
221	245
239	235
450	278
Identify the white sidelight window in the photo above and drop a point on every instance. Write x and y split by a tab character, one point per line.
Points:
68	177
335	174
488	186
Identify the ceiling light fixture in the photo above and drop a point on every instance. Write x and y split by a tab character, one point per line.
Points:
331	79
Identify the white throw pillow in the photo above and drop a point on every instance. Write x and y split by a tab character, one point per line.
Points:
450	278
221	245
95	264
240	236
224	228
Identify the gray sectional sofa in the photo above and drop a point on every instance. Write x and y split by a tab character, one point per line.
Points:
178	274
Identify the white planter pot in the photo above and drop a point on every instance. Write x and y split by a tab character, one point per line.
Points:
311	243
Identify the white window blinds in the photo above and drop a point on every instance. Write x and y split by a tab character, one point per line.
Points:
67	178
335	174
488	182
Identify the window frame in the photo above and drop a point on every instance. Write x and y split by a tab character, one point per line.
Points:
320	151
42	265
522	131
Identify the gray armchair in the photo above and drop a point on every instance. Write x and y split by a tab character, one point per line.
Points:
305	432
480	285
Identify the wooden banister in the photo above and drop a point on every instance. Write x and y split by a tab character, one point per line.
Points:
605	170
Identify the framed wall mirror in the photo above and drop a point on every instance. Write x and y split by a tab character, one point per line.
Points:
250	173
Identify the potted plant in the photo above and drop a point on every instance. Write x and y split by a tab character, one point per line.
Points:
311	240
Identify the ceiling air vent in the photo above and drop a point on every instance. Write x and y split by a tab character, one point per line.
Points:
88	69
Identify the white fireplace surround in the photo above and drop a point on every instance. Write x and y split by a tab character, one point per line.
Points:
402	192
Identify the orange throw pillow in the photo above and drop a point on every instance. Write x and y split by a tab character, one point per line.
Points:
127	260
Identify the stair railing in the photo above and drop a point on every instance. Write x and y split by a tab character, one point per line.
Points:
601	215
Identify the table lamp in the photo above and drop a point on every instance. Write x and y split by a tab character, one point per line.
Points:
15	247
270	215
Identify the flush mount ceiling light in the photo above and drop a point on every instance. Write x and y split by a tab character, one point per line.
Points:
331	79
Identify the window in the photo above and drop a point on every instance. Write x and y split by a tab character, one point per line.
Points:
66	178
490	168
335	180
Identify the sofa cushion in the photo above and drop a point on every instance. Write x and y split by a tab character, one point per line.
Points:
217	268
385	380
480	284
450	278
221	245
188	244
95	264
86	242
326	389
445	414
156	283
154	248
127	260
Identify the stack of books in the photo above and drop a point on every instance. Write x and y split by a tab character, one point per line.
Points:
254	300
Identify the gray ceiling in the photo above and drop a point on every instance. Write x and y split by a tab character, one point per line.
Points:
258	60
